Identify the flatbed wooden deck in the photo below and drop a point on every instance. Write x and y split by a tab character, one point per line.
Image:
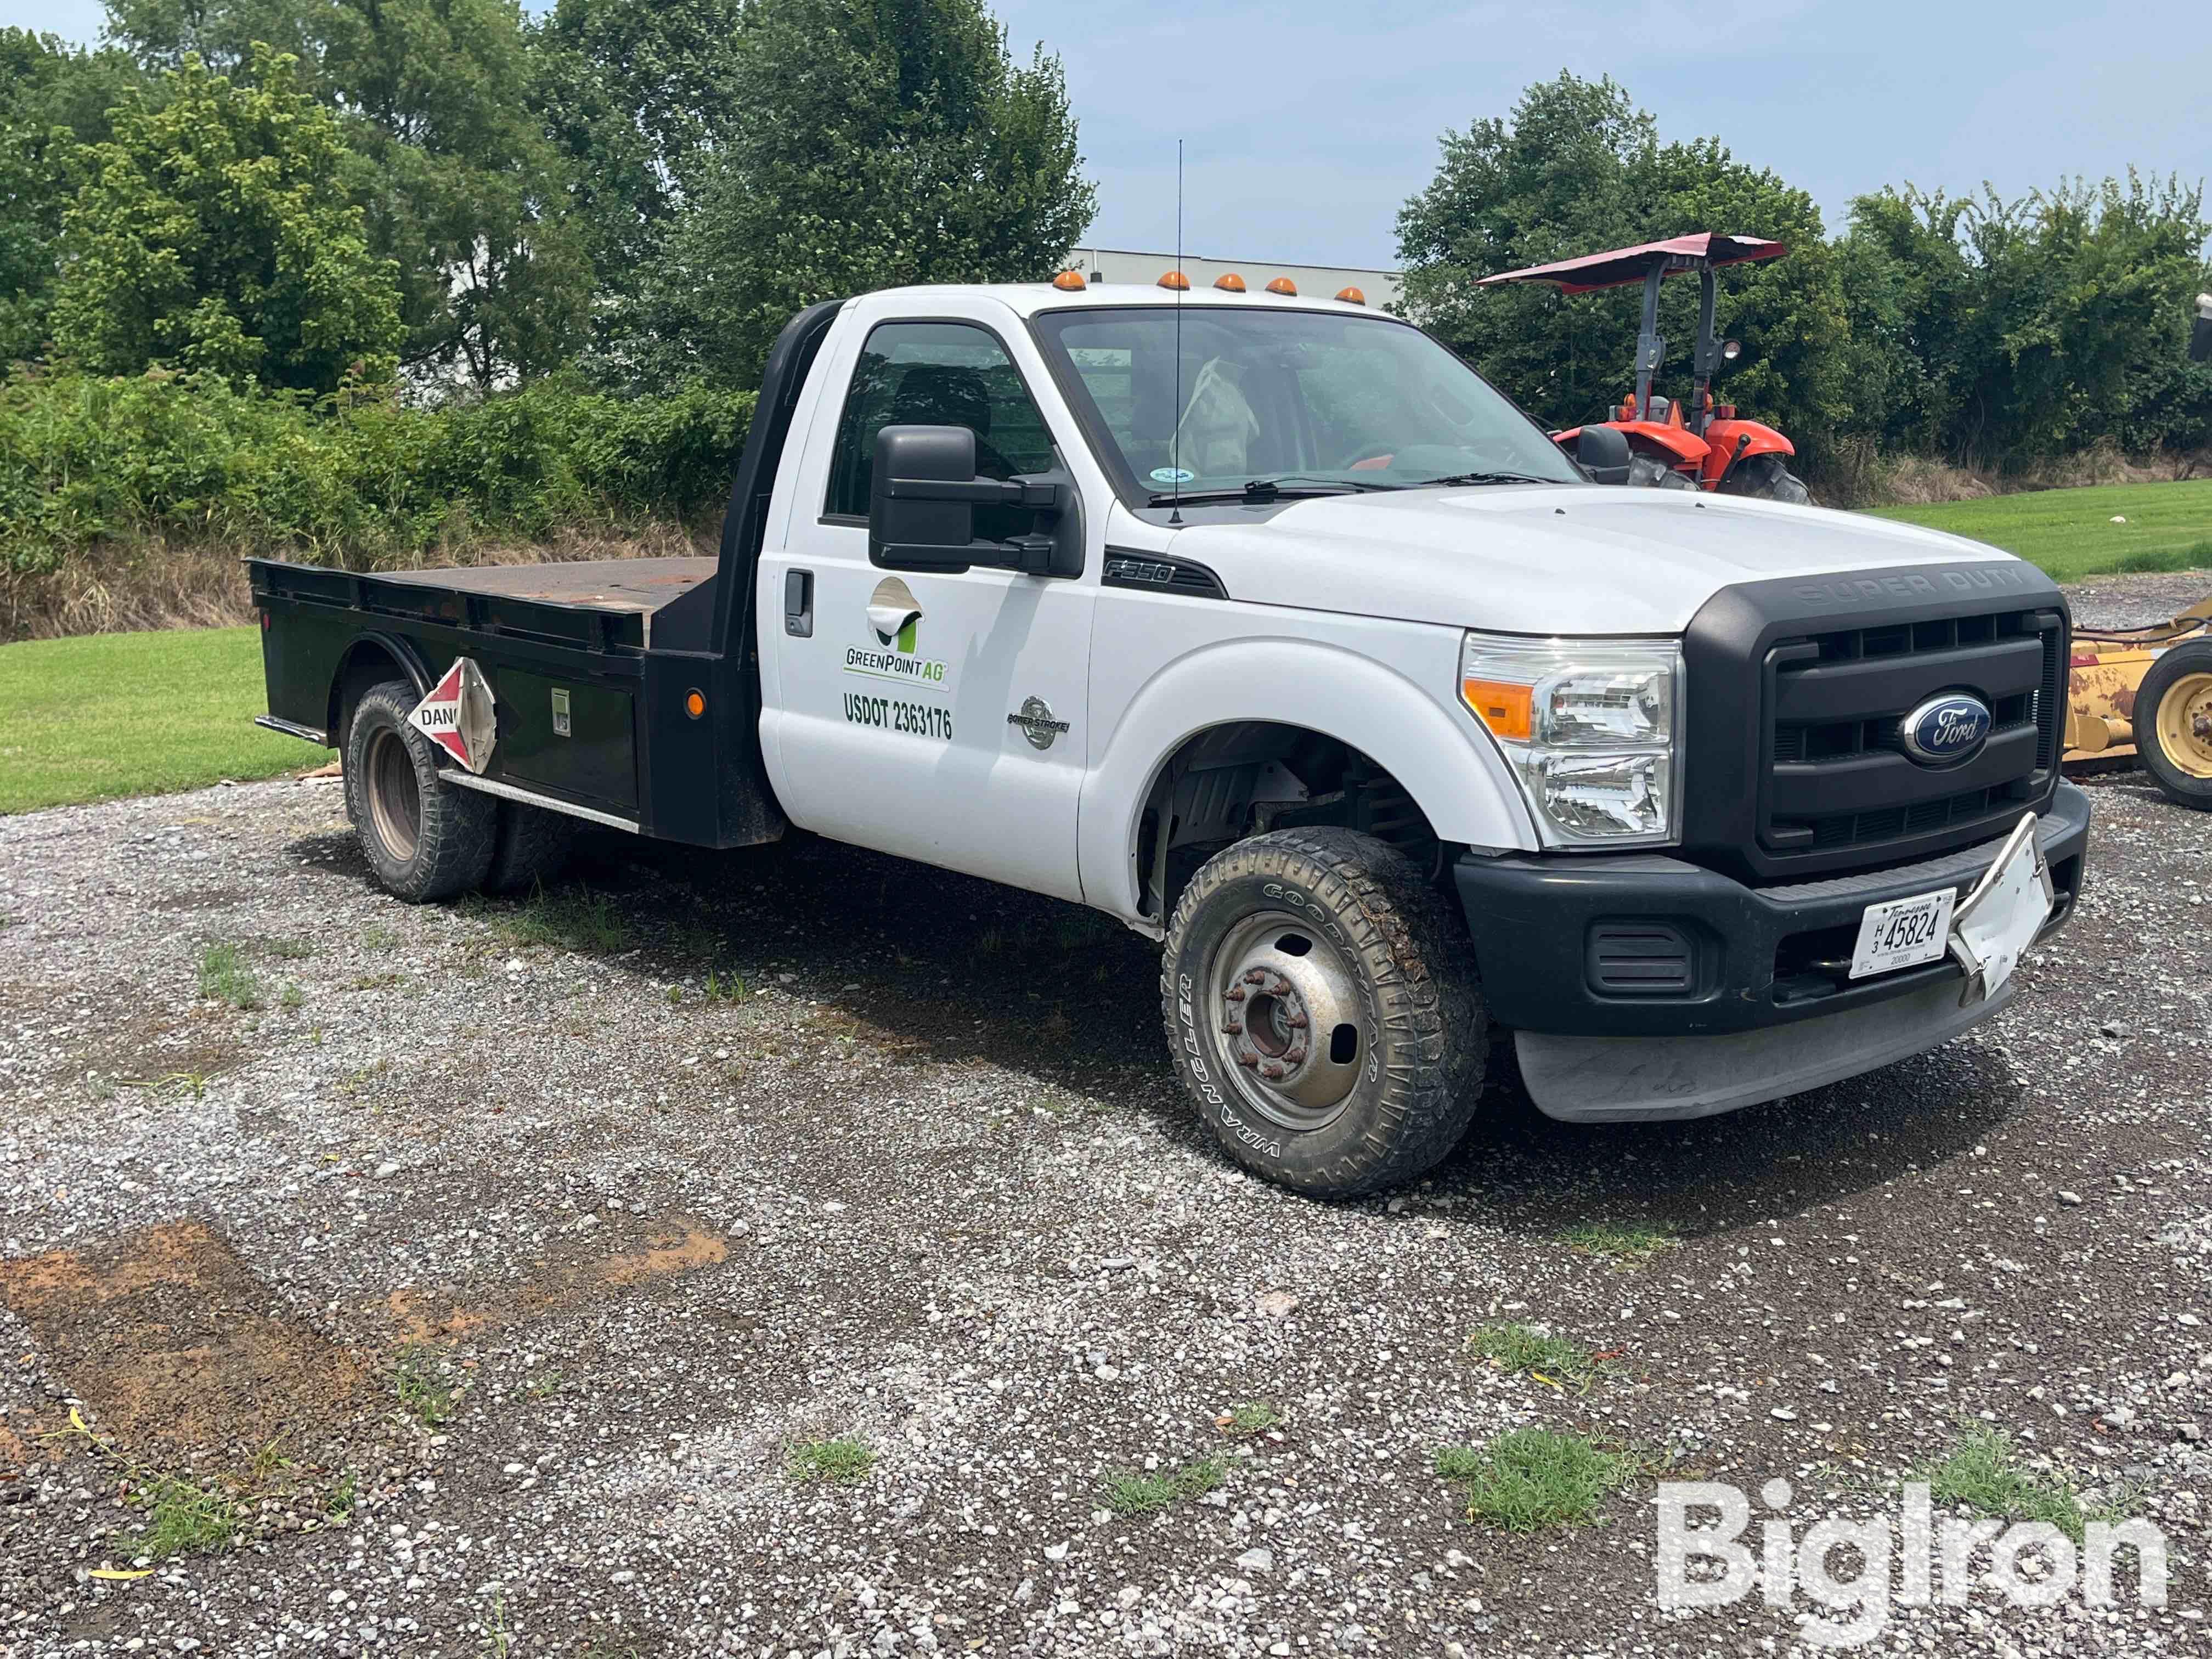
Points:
633	584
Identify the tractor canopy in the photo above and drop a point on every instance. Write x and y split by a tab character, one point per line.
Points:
1623	265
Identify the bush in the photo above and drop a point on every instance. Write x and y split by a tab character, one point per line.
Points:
354	478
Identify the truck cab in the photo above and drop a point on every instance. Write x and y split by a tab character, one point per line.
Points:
1265	625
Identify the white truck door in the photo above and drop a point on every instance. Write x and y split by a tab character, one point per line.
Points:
936	716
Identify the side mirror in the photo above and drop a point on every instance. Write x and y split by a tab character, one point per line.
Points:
922	501
1604	454
921	505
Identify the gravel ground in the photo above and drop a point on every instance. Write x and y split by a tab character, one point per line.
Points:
2133	601
502	1280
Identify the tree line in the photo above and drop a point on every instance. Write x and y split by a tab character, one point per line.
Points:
259	258
1987	331
306	193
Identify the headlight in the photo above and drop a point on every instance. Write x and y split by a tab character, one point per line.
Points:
1588	728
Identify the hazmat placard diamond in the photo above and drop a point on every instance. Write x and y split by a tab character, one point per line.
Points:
458	715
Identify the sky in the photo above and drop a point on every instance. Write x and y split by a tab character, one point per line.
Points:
1307	125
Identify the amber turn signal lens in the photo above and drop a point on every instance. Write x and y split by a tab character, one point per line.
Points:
1507	709
1174	279
693	704
1070	282
1283	285
1229	282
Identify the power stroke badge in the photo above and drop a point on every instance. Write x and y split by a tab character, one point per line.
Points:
1037	723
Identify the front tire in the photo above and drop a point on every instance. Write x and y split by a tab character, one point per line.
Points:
1767	477
1321	1005
2172	719
423	837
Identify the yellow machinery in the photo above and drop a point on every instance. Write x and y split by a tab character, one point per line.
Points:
2146	691
2149	691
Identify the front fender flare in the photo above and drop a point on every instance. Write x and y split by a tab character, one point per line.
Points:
1441	757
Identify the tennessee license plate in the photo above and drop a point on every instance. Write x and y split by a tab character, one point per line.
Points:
1903	933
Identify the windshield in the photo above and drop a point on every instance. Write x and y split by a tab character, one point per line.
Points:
1319	401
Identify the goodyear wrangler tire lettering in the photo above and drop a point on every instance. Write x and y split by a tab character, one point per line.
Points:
1284	952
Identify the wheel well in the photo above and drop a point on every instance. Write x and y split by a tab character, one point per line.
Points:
1248	777
366	663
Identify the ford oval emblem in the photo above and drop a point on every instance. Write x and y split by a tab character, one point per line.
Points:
1946	730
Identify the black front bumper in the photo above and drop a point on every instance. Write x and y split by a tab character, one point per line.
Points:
1556	936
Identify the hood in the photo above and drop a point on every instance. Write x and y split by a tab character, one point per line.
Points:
1542	559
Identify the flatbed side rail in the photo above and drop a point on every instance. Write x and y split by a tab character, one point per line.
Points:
509	620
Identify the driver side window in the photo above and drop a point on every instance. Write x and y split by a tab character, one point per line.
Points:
938	374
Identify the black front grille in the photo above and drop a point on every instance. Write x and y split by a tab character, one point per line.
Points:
1890	822
1838	775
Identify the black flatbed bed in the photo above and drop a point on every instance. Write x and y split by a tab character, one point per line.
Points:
626	691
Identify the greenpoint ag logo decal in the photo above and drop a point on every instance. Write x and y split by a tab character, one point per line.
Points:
892	650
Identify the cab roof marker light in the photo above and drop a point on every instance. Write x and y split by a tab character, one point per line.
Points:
1070	282
1284	285
1352	296
1174	280
1230	282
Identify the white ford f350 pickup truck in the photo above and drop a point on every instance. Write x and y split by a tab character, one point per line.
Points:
1266	625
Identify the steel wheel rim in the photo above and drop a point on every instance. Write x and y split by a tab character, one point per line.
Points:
1282	1012
2184	724
395	801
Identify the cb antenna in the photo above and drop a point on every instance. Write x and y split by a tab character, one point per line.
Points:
1175	436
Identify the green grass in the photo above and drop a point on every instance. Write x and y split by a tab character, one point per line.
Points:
1531	1479
225	976
112	715
2071	532
1254	1417
1128	1493
423	1389
567	918
1984	1473
181	1515
838	1462
1624	1242
1515	1347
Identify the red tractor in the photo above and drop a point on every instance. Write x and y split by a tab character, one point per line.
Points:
1703	447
